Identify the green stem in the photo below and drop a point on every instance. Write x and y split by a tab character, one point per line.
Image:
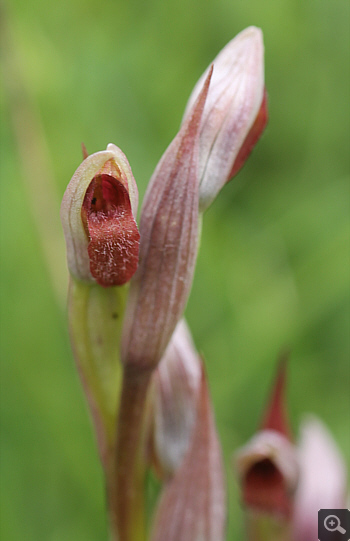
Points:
130	464
95	322
264	527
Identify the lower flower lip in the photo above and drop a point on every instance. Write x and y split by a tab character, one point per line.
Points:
111	228
264	488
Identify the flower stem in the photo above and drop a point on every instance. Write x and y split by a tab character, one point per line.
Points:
128	496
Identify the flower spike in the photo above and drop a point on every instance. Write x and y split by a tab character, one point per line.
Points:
98	216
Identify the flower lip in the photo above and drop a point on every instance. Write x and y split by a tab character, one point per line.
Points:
268	470
264	488
109	223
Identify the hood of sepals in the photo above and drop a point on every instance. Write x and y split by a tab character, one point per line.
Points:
111	228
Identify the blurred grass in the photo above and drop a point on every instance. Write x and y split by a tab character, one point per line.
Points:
273	269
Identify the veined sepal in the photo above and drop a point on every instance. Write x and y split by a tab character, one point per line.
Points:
169	229
174	399
192	506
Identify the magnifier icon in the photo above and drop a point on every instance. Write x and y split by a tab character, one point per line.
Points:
332	524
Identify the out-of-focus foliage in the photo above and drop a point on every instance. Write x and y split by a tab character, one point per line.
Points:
273	268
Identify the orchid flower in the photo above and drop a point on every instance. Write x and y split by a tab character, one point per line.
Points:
284	485
98	215
268	471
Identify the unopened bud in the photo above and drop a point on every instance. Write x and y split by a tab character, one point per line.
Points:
175	389
192	506
235	112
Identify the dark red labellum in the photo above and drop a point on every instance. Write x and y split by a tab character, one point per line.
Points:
114	237
264	488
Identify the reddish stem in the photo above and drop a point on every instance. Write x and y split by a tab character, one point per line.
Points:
127	498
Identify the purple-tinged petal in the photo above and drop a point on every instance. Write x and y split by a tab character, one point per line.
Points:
192	506
252	138
168	250
322	482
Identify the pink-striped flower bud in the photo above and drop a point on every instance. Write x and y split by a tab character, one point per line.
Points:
235	112
175	387
192	506
98	216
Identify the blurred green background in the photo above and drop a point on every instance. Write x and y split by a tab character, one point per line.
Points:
273	269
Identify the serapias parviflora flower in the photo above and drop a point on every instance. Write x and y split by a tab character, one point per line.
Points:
284	485
98	215
267	465
235	112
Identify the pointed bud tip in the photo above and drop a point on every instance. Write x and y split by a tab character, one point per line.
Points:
84	151
275	417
